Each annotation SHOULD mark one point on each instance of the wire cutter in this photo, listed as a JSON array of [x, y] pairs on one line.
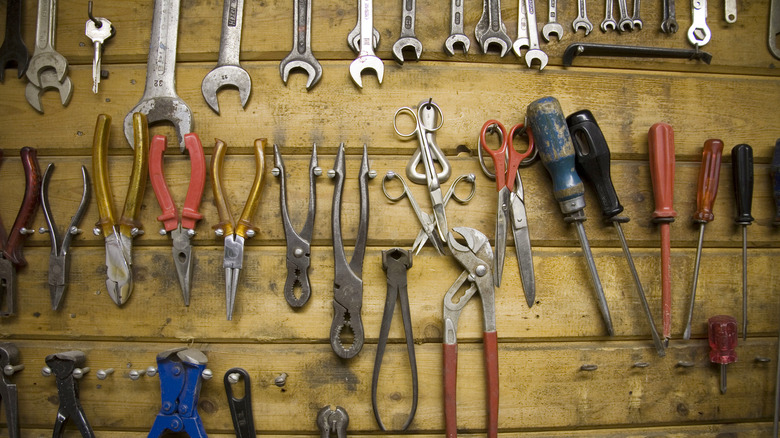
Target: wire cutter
[[9, 359], [63, 365], [348, 277], [235, 233], [477, 261], [119, 235], [180, 371], [511, 202], [298, 245], [59, 259], [181, 228], [11, 257]]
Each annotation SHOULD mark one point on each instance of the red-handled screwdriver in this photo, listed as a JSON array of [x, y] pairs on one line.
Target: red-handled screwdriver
[[722, 332], [709, 174]]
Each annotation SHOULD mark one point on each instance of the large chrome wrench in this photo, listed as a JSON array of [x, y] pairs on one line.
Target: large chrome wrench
[[491, 29], [228, 70], [699, 34], [552, 27], [301, 55], [160, 101], [366, 58], [457, 34], [522, 30], [534, 52], [407, 39], [45, 57], [582, 18]]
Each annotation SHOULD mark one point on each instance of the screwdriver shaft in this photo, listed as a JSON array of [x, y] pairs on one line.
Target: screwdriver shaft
[[687, 334], [723, 378], [666, 281], [594, 277], [744, 283]]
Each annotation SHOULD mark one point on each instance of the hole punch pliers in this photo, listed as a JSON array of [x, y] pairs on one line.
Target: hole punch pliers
[[235, 233], [119, 235], [63, 365], [11, 257], [181, 228], [180, 370], [59, 259]]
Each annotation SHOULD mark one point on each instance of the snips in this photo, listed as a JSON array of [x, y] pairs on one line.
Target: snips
[[235, 233], [298, 245], [119, 235], [511, 201], [477, 261], [59, 258], [65, 367], [180, 370], [9, 360], [348, 277], [181, 228], [11, 257]]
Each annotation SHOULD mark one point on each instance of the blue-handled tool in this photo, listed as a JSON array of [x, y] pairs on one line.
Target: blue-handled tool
[[180, 371]]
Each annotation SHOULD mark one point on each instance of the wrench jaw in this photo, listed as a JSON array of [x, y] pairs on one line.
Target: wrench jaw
[[311, 66], [223, 76], [519, 45], [49, 82], [407, 43], [502, 40], [550, 29], [626, 24], [608, 25], [42, 62], [578, 24], [537, 55], [11, 54], [156, 109], [457, 39], [669, 26], [366, 62]]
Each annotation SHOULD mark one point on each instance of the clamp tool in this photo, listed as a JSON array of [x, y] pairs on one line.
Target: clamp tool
[[477, 261], [347, 279], [298, 245], [181, 228], [59, 259], [235, 233], [9, 360], [11, 257], [64, 366], [240, 408], [180, 371], [333, 421], [119, 235]]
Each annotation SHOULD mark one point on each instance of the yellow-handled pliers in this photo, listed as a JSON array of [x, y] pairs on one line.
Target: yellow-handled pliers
[[235, 233], [119, 235]]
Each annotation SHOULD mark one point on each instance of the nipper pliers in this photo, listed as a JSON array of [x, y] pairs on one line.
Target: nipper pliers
[[119, 235]]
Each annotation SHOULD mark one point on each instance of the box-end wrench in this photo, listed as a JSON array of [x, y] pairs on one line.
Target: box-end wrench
[[699, 34], [582, 18], [609, 22], [366, 58], [160, 101], [491, 29], [774, 27], [228, 70], [407, 40], [49, 81], [669, 24], [534, 52], [45, 57], [552, 27], [626, 22], [13, 49], [636, 20], [730, 10], [522, 41], [301, 55], [457, 34]]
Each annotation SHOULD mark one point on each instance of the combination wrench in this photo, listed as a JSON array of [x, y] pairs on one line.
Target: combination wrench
[[534, 52], [669, 23], [13, 48], [552, 27], [457, 34], [774, 27], [228, 70], [407, 39], [159, 101], [366, 58], [699, 34], [48, 82], [582, 18], [491, 29], [301, 55], [609, 22], [626, 22], [522, 41], [636, 21], [45, 57]]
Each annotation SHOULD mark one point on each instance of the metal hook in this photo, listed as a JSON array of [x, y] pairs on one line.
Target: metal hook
[[97, 22]]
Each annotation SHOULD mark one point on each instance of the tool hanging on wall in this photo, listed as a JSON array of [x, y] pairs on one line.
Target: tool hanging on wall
[[742, 173], [68, 368], [335, 421], [240, 408], [301, 55], [722, 333], [48, 69], [13, 51], [10, 364], [98, 29]]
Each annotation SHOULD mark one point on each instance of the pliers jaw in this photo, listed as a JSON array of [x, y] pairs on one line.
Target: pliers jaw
[[59, 265], [118, 263], [233, 261], [182, 259]]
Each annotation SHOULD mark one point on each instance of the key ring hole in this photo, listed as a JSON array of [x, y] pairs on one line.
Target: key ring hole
[[390, 175]]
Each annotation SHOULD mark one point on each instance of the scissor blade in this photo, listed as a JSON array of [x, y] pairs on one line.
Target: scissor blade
[[502, 219], [437, 201], [523, 248], [182, 259]]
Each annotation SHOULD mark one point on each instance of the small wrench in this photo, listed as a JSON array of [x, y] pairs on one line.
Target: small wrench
[[353, 39], [301, 55], [609, 22], [491, 29], [366, 58], [730, 9], [552, 27], [407, 38], [534, 52], [626, 22], [13, 48], [522, 41], [45, 57], [635, 20], [669, 25], [699, 34], [457, 35], [160, 101], [774, 27], [48, 82], [582, 18]]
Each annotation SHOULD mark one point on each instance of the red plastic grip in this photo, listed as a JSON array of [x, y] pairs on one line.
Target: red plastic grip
[[491, 362], [660, 140], [189, 214], [722, 332], [169, 216], [24, 219], [450, 389], [709, 175]]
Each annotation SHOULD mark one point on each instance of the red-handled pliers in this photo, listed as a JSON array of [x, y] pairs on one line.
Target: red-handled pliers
[[477, 261], [181, 228]]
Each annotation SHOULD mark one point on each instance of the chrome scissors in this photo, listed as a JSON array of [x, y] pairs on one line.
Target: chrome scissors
[[511, 201]]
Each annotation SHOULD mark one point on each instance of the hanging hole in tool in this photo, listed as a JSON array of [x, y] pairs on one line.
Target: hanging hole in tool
[[347, 336], [238, 387], [97, 22], [182, 256], [582, 142], [297, 286]]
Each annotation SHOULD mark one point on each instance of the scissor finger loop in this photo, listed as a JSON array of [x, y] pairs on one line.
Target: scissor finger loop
[[413, 115], [471, 179], [390, 176]]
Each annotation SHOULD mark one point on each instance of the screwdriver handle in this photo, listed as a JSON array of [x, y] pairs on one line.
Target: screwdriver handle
[[709, 175], [742, 172], [592, 158], [776, 181], [660, 140], [553, 141], [722, 333]]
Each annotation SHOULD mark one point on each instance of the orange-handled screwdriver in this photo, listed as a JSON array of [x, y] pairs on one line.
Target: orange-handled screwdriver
[[709, 175], [661, 146]]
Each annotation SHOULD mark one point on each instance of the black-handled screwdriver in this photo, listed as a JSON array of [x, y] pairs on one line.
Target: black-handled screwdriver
[[742, 172]]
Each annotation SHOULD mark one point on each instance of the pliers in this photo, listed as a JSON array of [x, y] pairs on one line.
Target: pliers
[[119, 235], [11, 257], [9, 358], [298, 245], [63, 365], [59, 259], [477, 261], [180, 371], [235, 233], [181, 228]]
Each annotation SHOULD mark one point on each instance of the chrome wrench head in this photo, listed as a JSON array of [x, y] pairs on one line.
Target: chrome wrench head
[[404, 44], [407, 40], [491, 29], [635, 20], [582, 22], [609, 22], [45, 57], [48, 81], [457, 35], [550, 29], [306, 62], [46, 61], [160, 108], [626, 22], [224, 76], [301, 55], [228, 71], [522, 41], [699, 34], [457, 39], [366, 58], [534, 53]]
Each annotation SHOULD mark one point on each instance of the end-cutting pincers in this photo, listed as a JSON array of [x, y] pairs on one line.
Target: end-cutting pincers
[[9, 357]]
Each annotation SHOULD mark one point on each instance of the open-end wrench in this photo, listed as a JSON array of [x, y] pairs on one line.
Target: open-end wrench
[[534, 52], [366, 58], [228, 70], [491, 29], [13, 48], [609, 22], [774, 27], [407, 39], [669, 24], [699, 34], [353, 39], [457, 34], [301, 55], [522, 41], [730, 10], [45, 57], [582, 18], [48, 82], [160, 101], [626, 22], [636, 21], [552, 27]]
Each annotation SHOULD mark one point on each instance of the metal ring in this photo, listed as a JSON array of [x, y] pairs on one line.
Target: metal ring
[[469, 178], [391, 175], [431, 103], [410, 111]]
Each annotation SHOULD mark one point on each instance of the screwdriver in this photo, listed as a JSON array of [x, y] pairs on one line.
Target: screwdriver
[[553, 141], [709, 174], [592, 161], [722, 332], [776, 181], [742, 172], [660, 141]]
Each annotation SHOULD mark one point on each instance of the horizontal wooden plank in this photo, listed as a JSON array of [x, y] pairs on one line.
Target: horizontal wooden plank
[[541, 386]]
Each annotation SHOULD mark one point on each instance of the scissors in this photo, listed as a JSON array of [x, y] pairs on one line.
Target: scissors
[[511, 201], [428, 222]]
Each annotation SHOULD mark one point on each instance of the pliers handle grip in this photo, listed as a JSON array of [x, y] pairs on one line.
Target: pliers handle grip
[[189, 214], [11, 244], [226, 221]]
